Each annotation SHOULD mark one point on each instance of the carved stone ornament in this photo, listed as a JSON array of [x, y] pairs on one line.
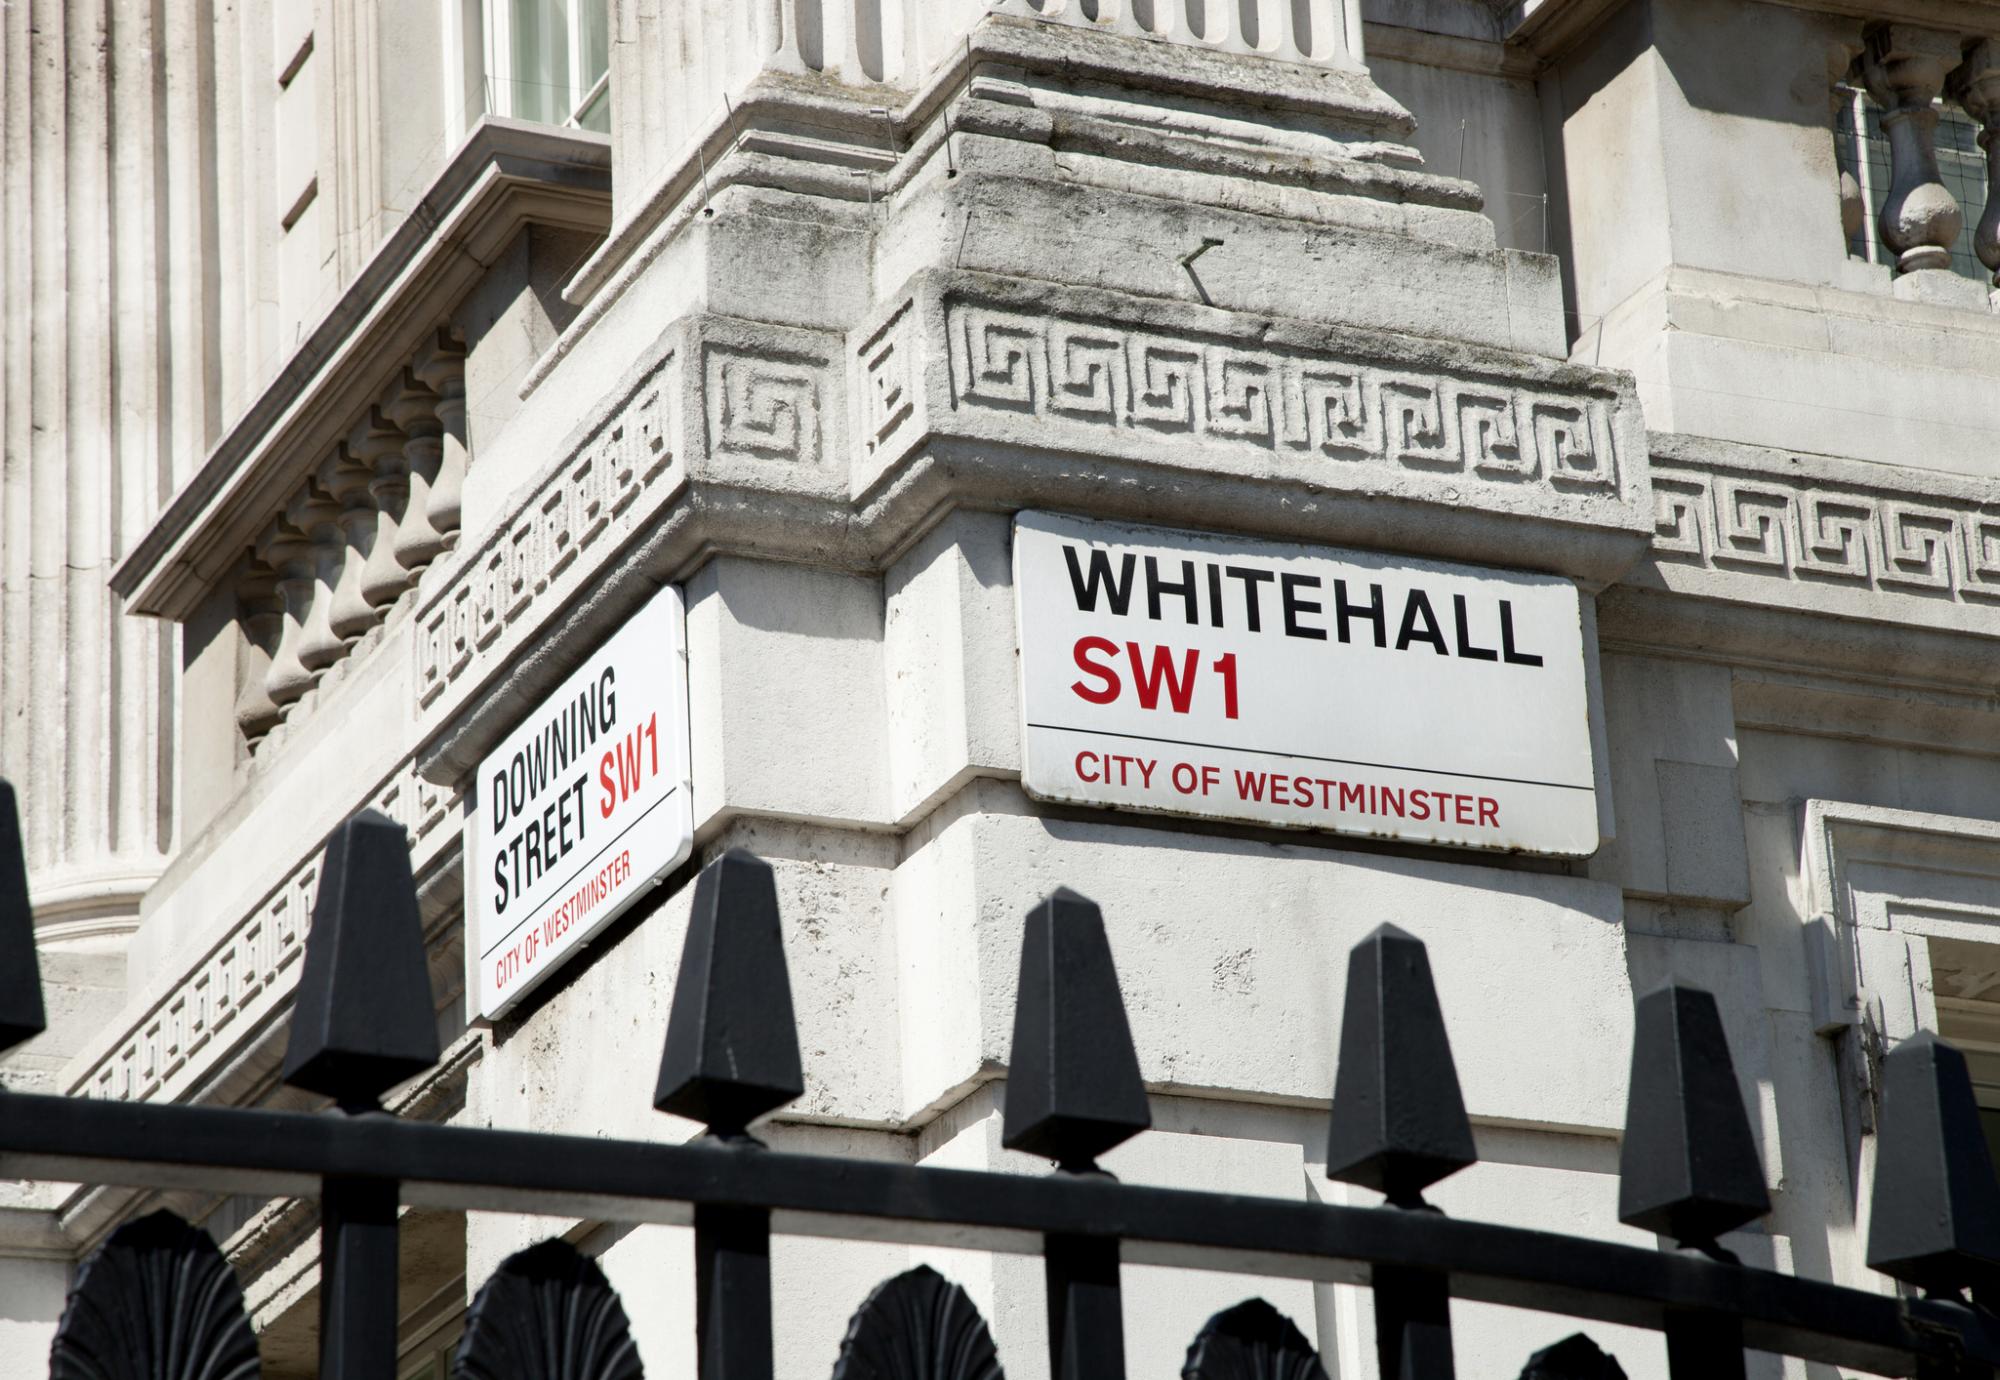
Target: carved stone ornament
[[1252, 1341], [156, 1301], [548, 1313], [917, 1326]]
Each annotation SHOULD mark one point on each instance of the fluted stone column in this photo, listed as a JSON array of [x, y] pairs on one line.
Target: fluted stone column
[[86, 705], [1976, 87], [1904, 68]]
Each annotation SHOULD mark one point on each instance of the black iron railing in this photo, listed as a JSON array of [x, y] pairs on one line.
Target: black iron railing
[[159, 1299]]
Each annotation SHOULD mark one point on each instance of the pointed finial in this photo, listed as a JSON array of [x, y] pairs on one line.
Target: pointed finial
[[1073, 1086], [732, 1045], [21, 1014], [1688, 1167], [1936, 1217], [1398, 1118], [364, 1018]]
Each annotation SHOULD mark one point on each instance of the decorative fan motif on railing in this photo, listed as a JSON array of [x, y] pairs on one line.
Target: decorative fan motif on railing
[[917, 1326], [156, 1301], [548, 1313], [1252, 1341], [1575, 1357]]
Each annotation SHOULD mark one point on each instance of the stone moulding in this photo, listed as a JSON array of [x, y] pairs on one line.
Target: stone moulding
[[1824, 535]]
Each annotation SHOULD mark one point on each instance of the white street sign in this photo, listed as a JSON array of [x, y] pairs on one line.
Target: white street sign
[[1302, 686], [582, 807]]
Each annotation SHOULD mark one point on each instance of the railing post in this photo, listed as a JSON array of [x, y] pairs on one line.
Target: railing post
[[1399, 1126], [1688, 1167], [21, 1014], [1935, 1221], [732, 1054], [1074, 1092], [363, 1021]]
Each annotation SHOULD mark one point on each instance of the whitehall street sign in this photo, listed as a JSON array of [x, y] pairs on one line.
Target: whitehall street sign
[[1303, 687], [583, 807]]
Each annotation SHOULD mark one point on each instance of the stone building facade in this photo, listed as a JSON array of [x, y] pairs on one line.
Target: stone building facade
[[368, 364]]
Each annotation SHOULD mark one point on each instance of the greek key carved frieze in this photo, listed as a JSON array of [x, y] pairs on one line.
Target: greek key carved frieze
[[586, 503], [1287, 400], [762, 404], [1814, 530]]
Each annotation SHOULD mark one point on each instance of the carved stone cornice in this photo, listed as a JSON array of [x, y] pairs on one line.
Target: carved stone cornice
[[969, 391], [507, 174]]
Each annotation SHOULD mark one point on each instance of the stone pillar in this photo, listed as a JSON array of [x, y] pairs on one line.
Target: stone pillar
[[86, 701], [414, 410], [1904, 68], [1975, 85]]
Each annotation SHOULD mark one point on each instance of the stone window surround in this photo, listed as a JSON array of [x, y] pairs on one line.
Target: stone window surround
[[1878, 884]]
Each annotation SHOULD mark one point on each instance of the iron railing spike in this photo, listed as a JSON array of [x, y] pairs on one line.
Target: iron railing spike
[[364, 1018], [732, 1048], [1399, 1122], [1073, 1085], [21, 1013], [1935, 1221], [1688, 1167]]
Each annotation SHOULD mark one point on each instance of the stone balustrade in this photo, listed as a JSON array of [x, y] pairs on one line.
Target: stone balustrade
[[352, 540], [1975, 85], [661, 102], [1905, 70]]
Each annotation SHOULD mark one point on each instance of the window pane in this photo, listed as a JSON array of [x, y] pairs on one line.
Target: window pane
[[538, 51], [593, 37]]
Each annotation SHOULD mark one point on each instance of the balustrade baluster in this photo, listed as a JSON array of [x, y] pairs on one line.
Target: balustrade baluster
[[1398, 1126], [732, 1054], [414, 410], [441, 366], [344, 477], [378, 443], [1975, 85], [261, 614], [285, 549], [318, 517], [1904, 68], [363, 1020], [1074, 1092]]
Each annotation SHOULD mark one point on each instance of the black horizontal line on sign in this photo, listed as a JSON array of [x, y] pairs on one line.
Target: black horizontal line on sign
[[1308, 757], [563, 885]]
